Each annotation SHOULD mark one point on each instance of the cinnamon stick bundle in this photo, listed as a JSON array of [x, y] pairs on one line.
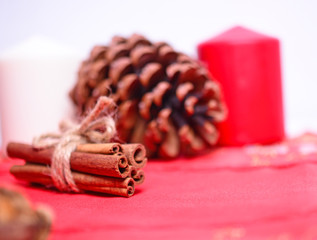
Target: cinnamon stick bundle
[[107, 168]]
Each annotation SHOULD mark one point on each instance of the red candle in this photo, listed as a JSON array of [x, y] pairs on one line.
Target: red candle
[[247, 65]]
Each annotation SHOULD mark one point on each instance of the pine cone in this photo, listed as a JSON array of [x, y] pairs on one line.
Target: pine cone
[[166, 100]]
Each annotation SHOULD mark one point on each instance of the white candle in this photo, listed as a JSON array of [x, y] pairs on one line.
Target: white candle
[[35, 78]]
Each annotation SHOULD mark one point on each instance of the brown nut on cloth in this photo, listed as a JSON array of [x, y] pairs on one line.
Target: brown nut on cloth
[[19, 221]]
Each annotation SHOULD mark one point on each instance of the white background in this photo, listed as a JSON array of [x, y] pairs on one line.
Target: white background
[[82, 24]]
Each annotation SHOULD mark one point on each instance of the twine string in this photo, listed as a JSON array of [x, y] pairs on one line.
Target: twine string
[[97, 127]]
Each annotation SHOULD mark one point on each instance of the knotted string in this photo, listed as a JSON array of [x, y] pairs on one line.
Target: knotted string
[[97, 127]]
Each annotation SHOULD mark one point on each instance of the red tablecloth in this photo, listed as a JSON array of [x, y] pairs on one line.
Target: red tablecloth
[[232, 193]]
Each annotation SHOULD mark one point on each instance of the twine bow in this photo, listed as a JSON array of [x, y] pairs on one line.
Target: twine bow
[[97, 127]]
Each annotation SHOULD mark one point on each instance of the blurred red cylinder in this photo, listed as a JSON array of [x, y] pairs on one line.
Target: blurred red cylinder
[[247, 65]]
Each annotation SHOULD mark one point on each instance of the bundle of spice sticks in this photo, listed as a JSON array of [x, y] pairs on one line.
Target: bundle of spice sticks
[[110, 168]]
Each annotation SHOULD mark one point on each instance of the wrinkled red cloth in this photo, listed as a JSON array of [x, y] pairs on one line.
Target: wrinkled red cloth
[[252, 192]]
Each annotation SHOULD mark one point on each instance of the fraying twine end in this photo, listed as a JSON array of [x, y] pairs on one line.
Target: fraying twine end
[[98, 127]]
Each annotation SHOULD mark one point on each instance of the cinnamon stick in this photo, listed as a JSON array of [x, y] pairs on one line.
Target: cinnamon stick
[[136, 154], [137, 175], [102, 148], [36, 173], [100, 164]]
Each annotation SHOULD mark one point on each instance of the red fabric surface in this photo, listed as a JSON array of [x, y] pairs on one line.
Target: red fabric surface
[[230, 193]]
